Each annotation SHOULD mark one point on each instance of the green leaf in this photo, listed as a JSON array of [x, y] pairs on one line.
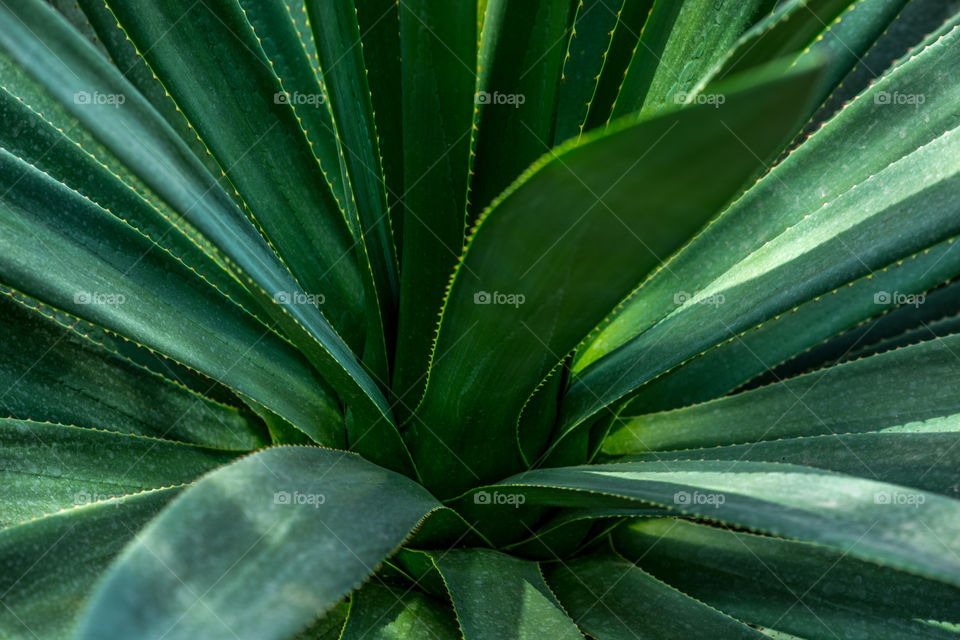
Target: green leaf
[[520, 61], [587, 50], [937, 304], [305, 524], [382, 612], [926, 461], [54, 373], [787, 32], [850, 398], [905, 529], [439, 45], [796, 587], [757, 350], [42, 42], [611, 599], [328, 626], [818, 171], [797, 234], [505, 348], [125, 57], [277, 32], [497, 596], [338, 39], [48, 467], [94, 265], [49, 565], [679, 44], [209, 59], [33, 139], [849, 37], [623, 44], [379, 22]]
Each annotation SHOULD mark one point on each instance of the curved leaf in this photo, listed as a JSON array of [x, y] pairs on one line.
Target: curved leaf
[[171, 309], [544, 303], [67, 66], [904, 529], [209, 59], [306, 525], [818, 171]]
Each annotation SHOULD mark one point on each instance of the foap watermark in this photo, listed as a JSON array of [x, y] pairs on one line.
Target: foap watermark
[[683, 297], [895, 297], [81, 498], [98, 298], [686, 499], [496, 498], [512, 99], [95, 97], [299, 297], [299, 499], [485, 297], [895, 97], [297, 98], [712, 99], [899, 498]]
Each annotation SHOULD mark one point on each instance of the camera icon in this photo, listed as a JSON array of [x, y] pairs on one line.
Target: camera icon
[[881, 497], [281, 97], [283, 297], [680, 97], [681, 497], [281, 497], [882, 97], [82, 297], [482, 97], [81, 498], [481, 497], [82, 97], [482, 297], [681, 297], [882, 297]]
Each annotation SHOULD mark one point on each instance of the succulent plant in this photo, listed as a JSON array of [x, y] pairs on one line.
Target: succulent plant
[[479, 319]]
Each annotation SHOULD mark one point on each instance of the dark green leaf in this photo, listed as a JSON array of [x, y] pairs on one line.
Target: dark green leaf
[[612, 599], [48, 467], [496, 596], [439, 41], [544, 303], [680, 42], [382, 612], [589, 45], [520, 60], [54, 373], [796, 587]]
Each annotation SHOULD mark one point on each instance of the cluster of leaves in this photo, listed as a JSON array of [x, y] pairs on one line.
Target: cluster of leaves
[[480, 319]]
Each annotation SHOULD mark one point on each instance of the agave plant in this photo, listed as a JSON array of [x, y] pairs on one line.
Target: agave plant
[[480, 319]]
